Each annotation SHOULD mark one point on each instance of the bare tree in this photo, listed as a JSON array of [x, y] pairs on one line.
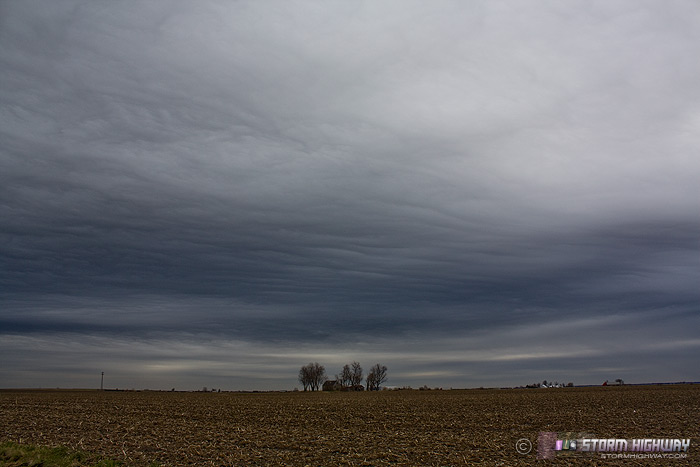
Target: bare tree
[[356, 374], [305, 377], [619, 381], [312, 376], [376, 377], [345, 376]]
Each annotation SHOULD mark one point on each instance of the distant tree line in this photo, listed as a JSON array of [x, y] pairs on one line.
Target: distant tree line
[[313, 377], [551, 384]]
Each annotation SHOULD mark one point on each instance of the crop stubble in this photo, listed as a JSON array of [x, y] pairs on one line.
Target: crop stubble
[[380, 428]]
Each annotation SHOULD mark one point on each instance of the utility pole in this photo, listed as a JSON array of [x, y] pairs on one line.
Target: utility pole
[[102, 382]]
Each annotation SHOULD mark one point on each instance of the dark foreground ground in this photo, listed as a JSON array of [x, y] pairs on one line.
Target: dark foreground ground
[[470, 427]]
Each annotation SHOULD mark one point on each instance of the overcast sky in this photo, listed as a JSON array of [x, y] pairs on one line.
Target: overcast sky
[[480, 193]]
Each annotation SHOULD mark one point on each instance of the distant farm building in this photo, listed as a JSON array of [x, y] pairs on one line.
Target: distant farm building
[[334, 385]]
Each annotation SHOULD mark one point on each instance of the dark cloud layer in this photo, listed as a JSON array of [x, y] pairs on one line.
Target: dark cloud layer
[[493, 193]]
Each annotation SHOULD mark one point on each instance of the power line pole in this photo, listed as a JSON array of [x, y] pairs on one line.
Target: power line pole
[[102, 382]]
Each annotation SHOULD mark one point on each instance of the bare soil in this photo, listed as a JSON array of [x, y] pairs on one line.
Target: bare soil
[[440, 428]]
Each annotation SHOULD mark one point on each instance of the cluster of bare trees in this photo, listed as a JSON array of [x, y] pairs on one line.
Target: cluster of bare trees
[[313, 376], [376, 377], [350, 376]]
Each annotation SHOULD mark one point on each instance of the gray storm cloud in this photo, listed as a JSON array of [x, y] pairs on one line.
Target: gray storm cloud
[[389, 180]]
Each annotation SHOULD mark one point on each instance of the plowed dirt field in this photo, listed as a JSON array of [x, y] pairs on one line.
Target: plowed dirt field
[[466, 427]]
